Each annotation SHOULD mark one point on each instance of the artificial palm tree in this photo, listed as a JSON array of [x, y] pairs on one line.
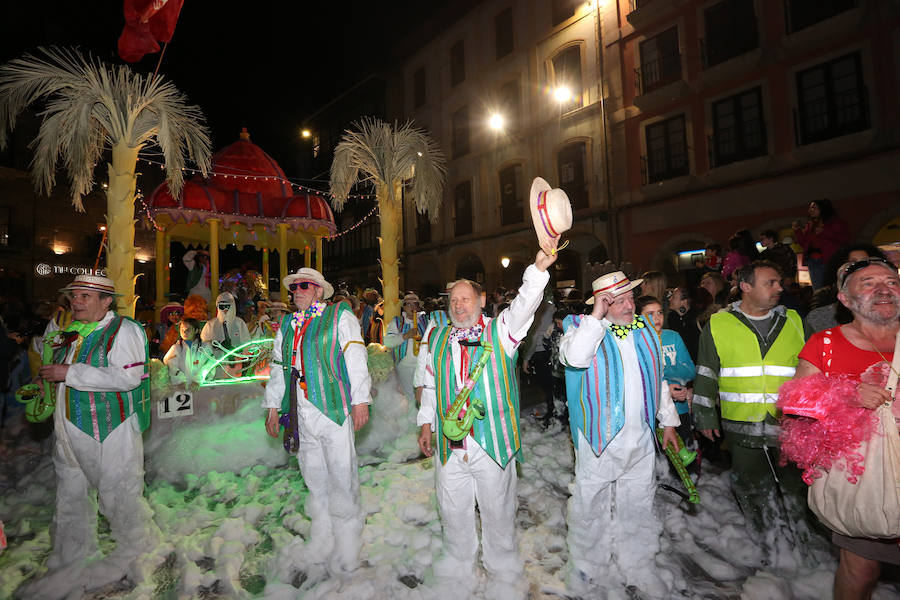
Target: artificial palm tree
[[387, 155], [90, 107]]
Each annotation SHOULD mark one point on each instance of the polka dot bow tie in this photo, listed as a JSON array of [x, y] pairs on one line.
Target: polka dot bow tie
[[621, 331]]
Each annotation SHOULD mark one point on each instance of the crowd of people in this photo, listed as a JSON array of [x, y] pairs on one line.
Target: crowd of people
[[638, 364]]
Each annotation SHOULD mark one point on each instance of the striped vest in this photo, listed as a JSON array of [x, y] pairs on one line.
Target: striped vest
[[749, 382], [440, 318], [324, 369], [399, 353], [498, 387], [99, 413], [596, 395]]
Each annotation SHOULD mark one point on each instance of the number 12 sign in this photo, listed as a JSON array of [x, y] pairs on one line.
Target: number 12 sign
[[179, 405]]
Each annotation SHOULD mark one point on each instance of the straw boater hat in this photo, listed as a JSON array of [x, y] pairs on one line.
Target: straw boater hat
[[412, 298], [551, 213], [277, 307], [614, 283], [93, 283], [311, 275]]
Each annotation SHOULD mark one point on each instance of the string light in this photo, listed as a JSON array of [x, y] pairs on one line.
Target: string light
[[355, 225], [249, 176]]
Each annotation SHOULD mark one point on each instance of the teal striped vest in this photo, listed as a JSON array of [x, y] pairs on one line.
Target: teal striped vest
[[99, 413], [498, 387], [324, 369], [399, 353]]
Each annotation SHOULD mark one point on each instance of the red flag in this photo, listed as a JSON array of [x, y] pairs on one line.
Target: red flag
[[147, 22]]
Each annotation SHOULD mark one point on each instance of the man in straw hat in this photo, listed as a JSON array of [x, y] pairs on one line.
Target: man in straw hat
[[480, 467], [320, 387], [616, 398], [102, 393], [403, 338]]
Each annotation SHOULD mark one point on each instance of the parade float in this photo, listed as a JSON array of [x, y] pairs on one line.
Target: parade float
[[246, 200]]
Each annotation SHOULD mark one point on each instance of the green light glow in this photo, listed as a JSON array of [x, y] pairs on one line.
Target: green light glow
[[233, 357]]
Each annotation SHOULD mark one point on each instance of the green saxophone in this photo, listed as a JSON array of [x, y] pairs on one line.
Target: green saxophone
[[455, 425]]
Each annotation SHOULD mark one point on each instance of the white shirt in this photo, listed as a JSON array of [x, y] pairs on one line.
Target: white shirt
[[355, 357], [579, 345], [514, 324], [393, 339]]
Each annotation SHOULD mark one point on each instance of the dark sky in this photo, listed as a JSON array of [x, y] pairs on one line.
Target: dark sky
[[263, 64]]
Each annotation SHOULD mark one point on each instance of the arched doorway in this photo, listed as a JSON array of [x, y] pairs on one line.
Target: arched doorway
[[470, 267]]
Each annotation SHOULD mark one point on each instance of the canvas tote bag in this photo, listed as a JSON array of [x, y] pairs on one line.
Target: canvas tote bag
[[870, 508]]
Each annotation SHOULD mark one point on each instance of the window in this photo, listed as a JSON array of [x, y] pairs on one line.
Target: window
[[562, 10], [462, 208], [511, 205], [660, 61], [572, 166], [567, 74], [460, 141], [419, 97], [509, 103], [739, 131], [799, 14], [423, 228], [730, 31], [832, 100], [457, 63], [503, 32], [666, 150]]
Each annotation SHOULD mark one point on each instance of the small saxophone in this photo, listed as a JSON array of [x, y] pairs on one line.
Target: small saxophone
[[39, 408], [455, 426]]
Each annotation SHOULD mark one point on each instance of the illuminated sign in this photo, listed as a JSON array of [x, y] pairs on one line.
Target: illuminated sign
[[46, 270]]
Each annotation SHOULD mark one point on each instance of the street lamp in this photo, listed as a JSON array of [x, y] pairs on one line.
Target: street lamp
[[504, 261], [305, 133], [562, 94], [496, 121]]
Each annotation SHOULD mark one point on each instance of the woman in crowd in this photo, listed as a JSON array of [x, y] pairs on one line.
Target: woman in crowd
[[821, 236]]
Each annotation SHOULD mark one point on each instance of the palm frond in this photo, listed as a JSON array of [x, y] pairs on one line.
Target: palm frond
[[383, 153], [91, 105]]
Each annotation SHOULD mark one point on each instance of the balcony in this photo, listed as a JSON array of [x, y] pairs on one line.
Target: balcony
[[725, 47], [800, 14], [731, 145], [658, 169], [655, 74], [644, 12]]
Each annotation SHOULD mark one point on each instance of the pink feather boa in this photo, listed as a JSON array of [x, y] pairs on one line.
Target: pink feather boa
[[826, 428]]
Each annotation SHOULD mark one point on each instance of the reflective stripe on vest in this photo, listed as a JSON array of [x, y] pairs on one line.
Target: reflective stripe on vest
[[748, 383]]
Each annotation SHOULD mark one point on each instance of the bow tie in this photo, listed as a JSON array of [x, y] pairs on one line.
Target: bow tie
[[81, 328], [472, 334], [622, 331]]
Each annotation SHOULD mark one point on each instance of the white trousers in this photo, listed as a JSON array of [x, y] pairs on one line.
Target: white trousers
[[472, 476], [611, 508], [327, 457], [115, 469]]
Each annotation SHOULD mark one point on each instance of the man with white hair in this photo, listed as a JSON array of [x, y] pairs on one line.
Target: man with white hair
[[480, 467], [870, 288], [616, 397], [320, 386], [403, 338], [103, 404]]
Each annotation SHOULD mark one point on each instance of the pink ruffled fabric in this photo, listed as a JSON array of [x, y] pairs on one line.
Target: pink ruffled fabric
[[826, 428]]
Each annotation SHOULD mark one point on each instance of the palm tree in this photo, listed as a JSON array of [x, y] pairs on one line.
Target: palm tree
[[92, 106], [386, 156]]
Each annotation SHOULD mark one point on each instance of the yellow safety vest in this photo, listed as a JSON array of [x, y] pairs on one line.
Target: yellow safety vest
[[748, 383]]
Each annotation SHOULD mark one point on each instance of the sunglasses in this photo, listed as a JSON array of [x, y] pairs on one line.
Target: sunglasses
[[303, 285], [862, 264], [223, 306]]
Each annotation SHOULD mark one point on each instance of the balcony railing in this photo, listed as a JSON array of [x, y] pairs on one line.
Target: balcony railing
[[831, 117], [729, 146], [655, 74], [636, 4], [660, 170]]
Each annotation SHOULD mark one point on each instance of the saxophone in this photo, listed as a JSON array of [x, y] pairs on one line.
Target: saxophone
[[38, 406], [455, 426]]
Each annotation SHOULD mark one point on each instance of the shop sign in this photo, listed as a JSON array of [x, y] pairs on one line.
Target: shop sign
[[46, 270]]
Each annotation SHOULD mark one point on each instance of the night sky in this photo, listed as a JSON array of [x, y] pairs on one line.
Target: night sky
[[264, 65]]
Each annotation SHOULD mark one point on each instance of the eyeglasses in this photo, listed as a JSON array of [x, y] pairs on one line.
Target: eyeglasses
[[223, 306], [303, 285], [852, 268]]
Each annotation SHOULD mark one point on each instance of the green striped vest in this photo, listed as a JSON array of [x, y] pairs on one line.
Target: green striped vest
[[498, 387], [324, 369], [99, 413], [748, 383]]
